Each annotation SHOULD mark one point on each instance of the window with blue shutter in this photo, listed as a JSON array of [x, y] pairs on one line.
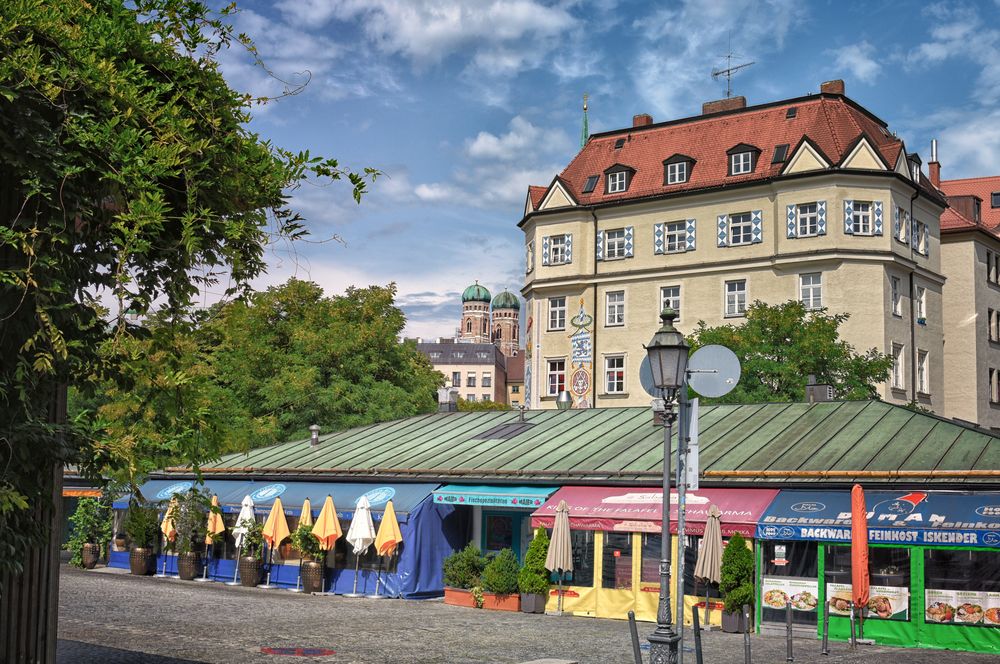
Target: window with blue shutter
[[690, 234], [569, 247], [756, 222], [723, 224], [545, 250], [927, 240], [820, 217], [877, 205], [895, 222], [600, 245], [914, 235], [658, 231], [848, 217], [529, 257], [629, 244], [791, 220]]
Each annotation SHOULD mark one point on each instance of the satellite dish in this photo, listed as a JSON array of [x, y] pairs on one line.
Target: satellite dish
[[714, 371], [646, 379]]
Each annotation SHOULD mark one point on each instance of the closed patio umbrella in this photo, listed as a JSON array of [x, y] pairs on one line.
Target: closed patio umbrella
[[215, 526], [388, 540], [859, 555], [240, 533], [560, 555], [275, 532], [327, 527], [360, 536], [169, 531], [709, 564]]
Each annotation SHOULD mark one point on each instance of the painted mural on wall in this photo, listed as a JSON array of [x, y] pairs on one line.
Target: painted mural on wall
[[529, 345], [581, 358]]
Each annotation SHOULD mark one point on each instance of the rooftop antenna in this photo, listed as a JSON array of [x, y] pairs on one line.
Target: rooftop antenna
[[585, 131], [730, 68]]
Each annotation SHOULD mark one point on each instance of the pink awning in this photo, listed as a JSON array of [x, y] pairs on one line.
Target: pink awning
[[637, 509]]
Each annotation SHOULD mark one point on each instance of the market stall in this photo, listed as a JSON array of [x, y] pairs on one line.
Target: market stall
[[934, 561]]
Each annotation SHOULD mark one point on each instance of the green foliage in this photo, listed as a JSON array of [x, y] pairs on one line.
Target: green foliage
[[463, 569], [480, 406], [500, 575], [477, 596], [304, 542], [253, 541], [91, 523], [190, 515], [533, 577], [142, 525], [736, 574], [779, 346]]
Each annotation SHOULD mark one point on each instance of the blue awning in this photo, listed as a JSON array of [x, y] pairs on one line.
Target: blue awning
[[903, 517], [517, 497], [405, 497]]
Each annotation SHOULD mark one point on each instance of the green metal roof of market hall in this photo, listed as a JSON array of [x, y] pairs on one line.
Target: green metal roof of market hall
[[780, 444]]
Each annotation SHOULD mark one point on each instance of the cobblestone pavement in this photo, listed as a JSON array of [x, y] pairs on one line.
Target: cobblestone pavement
[[111, 618]]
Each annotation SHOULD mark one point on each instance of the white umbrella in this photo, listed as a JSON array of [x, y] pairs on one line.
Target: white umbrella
[[240, 532], [360, 536]]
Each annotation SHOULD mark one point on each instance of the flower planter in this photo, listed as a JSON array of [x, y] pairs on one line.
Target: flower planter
[[90, 555], [312, 576], [734, 622], [250, 571], [459, 597], [188, 565], [532, 603], [140, 561], [494, 602]]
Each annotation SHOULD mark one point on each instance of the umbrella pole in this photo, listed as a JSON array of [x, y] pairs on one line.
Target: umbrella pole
[[355, 593], [208, 561], [298, 579], [163, 574], [560, 598], [270, 561], [378, 580], [707, 589], [236, 570]]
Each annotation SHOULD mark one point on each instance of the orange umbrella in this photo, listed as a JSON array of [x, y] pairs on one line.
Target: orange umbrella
[[859, 547], [388, 537], [276, 526], [327, 527], [306, 518], [215, 524], [167, 527]]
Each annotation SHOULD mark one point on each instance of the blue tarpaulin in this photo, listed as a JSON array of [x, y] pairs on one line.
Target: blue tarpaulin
[[904, 517]]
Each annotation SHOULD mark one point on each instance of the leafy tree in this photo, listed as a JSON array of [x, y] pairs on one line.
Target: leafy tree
[[91, 525], [466, 406], [736, 574], [533, 577], [127, 170], [780, 345]]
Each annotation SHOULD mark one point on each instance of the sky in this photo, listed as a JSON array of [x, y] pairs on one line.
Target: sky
[[462, 105]]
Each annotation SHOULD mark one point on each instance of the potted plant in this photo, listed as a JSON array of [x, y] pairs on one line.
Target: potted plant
[[462, 571], [142, 528], [91, 530], [190, 519], [251, 549], [736, 583], [533, 579], [311, 565], [500, 583]]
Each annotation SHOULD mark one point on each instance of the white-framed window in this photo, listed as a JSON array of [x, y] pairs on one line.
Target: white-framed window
[[614, 243], [994, 386], [898, 365], [921, 304], [897, 296], [529, 262], [677, 172], [670, 297], [740, 229], [487, 379], [736, 297], [741, 162], [923, 373], [556, 376], [808, 220], [557, 313], [486, 397], [617, 182], [861, 218], [811, 290], [470, 379], [993, 324], [557, 249], [614, 374], [920, 228], [470, 397], [904, 224], [675, 237], [456, 379], [991, 267], [614, 306]]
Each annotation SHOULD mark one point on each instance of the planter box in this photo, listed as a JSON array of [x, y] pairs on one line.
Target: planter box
[[496, 602], [312, 576], [459, 597], [188, 565], [250, 568], [90, 555], [140, 561], [532, 603], [734, 622]]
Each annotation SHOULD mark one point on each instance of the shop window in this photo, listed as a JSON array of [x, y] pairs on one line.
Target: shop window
[[582, 545], [617, 561], [790, 573], [889, 574], [693, 586], [962, 587], [649, 570]]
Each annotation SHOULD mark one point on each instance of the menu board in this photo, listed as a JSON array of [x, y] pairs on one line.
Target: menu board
[[884, 602], [962, 607], [777, 591]]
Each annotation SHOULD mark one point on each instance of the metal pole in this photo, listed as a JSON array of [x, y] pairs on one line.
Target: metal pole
[[696, 628], [663, 642], [747, 657], [826, 629], [788, 633], [853, 638], [681, 484], [634, 633]]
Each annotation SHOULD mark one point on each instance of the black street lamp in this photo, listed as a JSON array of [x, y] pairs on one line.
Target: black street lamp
[[668, 357]]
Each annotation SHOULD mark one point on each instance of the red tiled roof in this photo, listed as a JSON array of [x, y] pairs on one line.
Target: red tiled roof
[[953, 220], [833, 124], [982, 187], [536, 194]]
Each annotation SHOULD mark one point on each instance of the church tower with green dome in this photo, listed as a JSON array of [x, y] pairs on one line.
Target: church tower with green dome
[[475, 315], [506, 322]]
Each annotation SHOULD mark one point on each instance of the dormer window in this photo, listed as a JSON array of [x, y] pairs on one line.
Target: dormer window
[[590, 184], [677, 169], [742, 159], [617, 178]]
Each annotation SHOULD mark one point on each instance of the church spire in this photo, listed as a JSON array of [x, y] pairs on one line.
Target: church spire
[[585, 131]]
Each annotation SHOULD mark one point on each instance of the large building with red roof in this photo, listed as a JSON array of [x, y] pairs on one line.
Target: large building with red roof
[[812, 198]]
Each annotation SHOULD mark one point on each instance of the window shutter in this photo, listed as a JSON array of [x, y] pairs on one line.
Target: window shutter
[[895, 222], [723, 230], [756, 232], [848, 217], [545, 250], [658, 244], [914, 240], [821, 217], [600, 245], [691, 223], [529, 257], [878, 217], [927, 240], [569, 247], [629, 245], [790, 214]]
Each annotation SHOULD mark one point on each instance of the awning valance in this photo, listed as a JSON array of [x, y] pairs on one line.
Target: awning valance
[[516, 497], [638, 509], [905, 517]]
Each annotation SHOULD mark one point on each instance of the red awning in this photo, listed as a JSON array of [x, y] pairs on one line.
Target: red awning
[[637, 509]]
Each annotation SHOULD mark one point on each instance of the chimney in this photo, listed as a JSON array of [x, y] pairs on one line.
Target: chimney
[[727, 104], [834, 87], [314, 435], [642, 120], [447, 398], [817, 392], [933, 166]]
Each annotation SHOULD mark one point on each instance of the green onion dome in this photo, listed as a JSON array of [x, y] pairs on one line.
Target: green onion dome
[[506, 300], [476, 293]]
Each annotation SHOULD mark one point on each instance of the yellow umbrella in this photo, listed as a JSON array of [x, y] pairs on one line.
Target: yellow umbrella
[[307, 517], [327, 527], [388, 537], [167, 527], [276, 526], [215, 524]]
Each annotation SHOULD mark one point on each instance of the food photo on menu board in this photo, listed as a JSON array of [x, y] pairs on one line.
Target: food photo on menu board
[[778, 591], [884, 602], [964, 607]]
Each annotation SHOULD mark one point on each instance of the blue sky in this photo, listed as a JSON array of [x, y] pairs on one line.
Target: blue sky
[[465, 104]]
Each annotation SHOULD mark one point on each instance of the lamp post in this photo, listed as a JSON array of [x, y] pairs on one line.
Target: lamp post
[[668, 356]]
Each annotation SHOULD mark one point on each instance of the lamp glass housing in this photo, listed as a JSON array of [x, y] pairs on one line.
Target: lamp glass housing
[[668, 356]]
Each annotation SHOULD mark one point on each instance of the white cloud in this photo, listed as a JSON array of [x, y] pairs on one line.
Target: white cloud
[[522, 142], [970, 144], [859, 60]]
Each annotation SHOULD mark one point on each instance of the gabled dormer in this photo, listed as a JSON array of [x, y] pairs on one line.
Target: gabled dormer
[[677, 169], [558, 195], [862, 154], [742, 159], [806, 156], [618, 178]]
